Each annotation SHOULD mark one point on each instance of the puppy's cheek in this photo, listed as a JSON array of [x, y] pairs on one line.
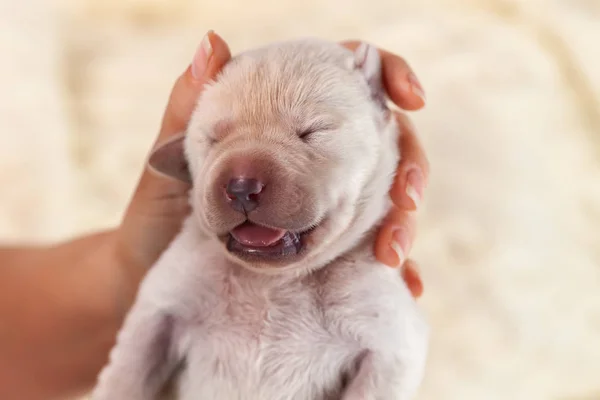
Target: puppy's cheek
[[312, 206], [211, 215], [337, 221], [206, 210], [204, 205]]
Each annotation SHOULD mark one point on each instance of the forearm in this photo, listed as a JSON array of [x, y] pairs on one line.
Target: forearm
[[60, 309]]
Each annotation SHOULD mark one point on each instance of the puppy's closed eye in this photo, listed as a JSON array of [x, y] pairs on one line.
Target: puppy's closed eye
[[314, 127], [305, 134], [211, 140], [218, 132]]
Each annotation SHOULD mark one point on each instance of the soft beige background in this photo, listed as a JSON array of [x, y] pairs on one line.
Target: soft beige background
[[510, 234]]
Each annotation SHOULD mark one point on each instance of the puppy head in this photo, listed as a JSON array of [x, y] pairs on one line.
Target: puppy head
[[291, 153]]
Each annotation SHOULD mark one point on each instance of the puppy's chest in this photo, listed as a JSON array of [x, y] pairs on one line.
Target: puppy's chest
[[263, 334]]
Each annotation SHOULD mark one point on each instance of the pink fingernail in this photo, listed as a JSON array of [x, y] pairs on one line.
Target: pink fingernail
[[415, 86], [400, 243], [414, 186], [203, 53]]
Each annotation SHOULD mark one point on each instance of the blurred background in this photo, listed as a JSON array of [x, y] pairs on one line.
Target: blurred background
[[509, 241]]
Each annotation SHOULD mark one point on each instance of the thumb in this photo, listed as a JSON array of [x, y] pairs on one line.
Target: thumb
[[158, 205], [210, 57]]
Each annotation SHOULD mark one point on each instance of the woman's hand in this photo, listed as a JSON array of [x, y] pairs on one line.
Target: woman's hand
[[159, 205]]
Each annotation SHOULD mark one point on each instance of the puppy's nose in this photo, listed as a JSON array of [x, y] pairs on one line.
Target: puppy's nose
[[243, 193]]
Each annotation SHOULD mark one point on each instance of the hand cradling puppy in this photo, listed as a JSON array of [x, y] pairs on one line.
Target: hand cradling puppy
[[271, 290]]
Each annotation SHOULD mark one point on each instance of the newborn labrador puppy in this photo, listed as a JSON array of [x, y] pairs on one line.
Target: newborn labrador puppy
[[271, 290]]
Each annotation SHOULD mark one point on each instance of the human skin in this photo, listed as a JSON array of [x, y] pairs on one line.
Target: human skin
[[62, 305]]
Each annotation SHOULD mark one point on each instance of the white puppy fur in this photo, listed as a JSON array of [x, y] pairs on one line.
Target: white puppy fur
[[319, 318]]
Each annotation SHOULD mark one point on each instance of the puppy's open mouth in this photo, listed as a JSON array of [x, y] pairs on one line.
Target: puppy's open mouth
[[251, 239]]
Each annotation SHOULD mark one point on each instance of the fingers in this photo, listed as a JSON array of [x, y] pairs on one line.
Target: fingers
[[397, 233], [413, 171], [401, 83], [159, 205]]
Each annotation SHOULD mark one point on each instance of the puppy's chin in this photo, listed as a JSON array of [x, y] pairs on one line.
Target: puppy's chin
[[273, 250]]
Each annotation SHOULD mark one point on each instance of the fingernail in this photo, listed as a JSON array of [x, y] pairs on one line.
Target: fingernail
[[415, 86], [414, 186], [400, 243], [203, 53]]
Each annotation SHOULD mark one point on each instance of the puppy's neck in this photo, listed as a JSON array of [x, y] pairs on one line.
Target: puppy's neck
[[364, 247]]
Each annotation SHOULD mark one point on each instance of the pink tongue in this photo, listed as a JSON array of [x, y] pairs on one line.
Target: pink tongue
[[257, 236]]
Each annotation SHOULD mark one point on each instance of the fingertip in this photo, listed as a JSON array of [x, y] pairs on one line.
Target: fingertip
[[386, 255], [395, 236], [402, 96], [410, 274], [221, 53], [211, 55], [398, 192], [408, 189], [402, 85], [412, 278], [351, 44], [384, 252]]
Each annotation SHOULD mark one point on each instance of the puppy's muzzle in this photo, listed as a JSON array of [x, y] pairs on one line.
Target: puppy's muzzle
[[253, 185]]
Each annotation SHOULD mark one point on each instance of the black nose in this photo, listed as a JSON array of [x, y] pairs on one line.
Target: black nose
[[243, 193]]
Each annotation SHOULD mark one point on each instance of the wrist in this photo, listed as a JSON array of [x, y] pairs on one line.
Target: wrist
[[95, 274], [113, 273], [18, 257], [100, 268], [129, 272]]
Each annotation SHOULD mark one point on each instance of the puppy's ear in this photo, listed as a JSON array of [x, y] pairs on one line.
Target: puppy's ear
[[169, 159], [368, 62]]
